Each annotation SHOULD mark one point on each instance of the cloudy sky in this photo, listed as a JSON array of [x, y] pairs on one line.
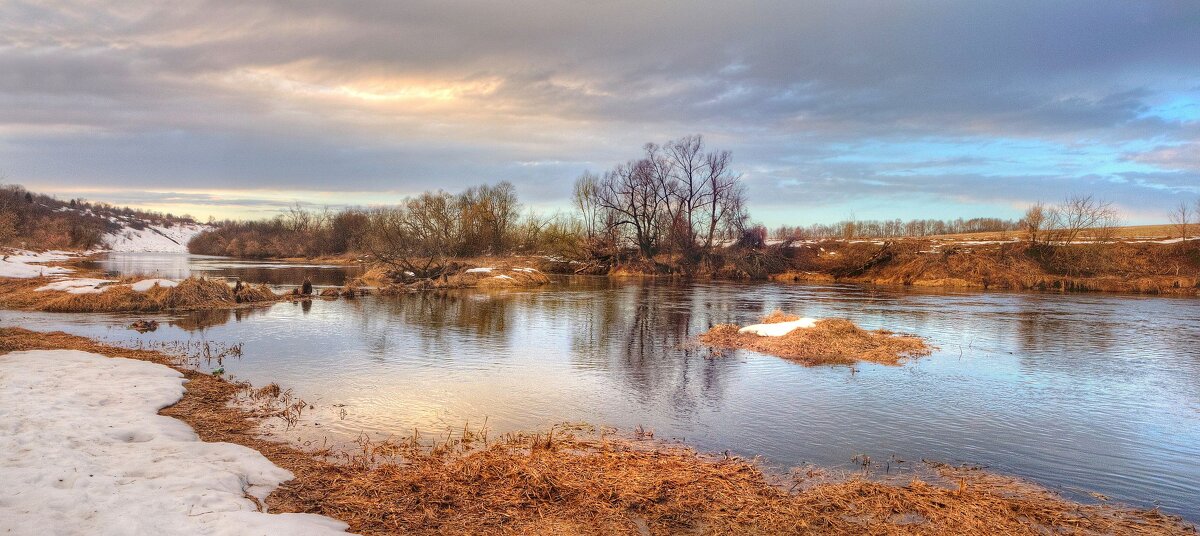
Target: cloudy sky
[[876, 108]]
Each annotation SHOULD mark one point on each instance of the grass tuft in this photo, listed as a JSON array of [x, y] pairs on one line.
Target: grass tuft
[[830, 341]]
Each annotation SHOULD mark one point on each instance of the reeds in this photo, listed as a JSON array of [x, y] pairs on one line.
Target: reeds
[[830, 341], [190, 294]]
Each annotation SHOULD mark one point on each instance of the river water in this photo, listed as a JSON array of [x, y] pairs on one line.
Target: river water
[[1079, 392]]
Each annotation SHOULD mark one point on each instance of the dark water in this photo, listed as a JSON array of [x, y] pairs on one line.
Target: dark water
[[180, 265], [1077, 392]]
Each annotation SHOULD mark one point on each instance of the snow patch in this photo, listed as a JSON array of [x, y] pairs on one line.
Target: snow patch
[[26, 264], [502, 277], [82, 285], [778, 329], [147, 284], [480, 270], [83, 451], [154, 238]]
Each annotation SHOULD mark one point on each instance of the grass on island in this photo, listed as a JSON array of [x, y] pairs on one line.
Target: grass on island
[[559, 483], [503, 273], [189, 294], [830, 341]]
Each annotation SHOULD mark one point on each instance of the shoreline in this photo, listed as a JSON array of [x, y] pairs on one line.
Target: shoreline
[[557, 481]]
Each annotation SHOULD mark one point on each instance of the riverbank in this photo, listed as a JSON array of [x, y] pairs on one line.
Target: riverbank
[[1171, 268], [1165, 267], [571, 482]]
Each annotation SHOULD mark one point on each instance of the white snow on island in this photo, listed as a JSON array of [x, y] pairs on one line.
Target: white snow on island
[[147, 284], [83, 450], [82, 285], [778, 329]]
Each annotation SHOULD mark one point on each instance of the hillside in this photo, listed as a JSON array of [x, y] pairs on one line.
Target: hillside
[[40, 222]]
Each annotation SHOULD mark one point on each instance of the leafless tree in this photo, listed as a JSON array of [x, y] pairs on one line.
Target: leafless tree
[[677, 197], [489, 215], [1181, 218], [417, 236], [1034, 221], [1080, 213]]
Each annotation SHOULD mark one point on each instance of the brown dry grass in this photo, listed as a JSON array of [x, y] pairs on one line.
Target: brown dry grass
[[1145, 268], [558, 483], [1133, 232], [830, 341], [191, 294]]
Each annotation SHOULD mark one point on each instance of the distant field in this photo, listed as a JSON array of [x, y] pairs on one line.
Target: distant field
[[1129, 232]]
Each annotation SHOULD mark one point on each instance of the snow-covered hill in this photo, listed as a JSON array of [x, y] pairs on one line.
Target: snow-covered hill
[[154, 238]]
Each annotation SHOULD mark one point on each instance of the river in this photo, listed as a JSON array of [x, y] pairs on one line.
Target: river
[[1078, 392]]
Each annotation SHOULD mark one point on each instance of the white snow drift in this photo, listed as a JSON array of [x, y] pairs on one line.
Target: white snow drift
[[83, 451], [154, 238], [778, 329], [147, 284], [27, 264], [82, 285]]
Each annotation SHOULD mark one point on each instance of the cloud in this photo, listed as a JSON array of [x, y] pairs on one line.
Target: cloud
[[820, 102]]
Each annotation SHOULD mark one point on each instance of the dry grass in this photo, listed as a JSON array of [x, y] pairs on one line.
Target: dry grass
[[191, 294], [560, 483], [500, 277], [1132, 232], [830, 341], [1145, 268]]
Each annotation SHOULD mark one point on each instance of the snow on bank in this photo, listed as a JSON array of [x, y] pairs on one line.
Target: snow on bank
[[83, 451], [81, 285], [778, 329], [154, 238], [27, 264]]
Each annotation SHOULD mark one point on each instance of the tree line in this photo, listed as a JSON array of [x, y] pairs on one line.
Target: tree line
[[418, 234], [854, 228]]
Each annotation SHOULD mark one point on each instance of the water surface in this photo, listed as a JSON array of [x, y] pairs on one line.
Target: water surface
[[1080, 392]]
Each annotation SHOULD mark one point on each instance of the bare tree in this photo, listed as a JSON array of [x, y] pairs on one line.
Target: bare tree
[[417, 236], [1181, 218], [1034, 221], [1081, 213], [677, 197]]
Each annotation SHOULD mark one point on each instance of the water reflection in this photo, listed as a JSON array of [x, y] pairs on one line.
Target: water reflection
[[179, 265], [1080, 392]]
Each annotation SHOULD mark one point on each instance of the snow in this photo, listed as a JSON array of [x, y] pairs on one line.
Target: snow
[[526, 270], [83, 451], [26, 264], [82, 285], [778, 329], [502, 277], [154, 238], [480, 270], [147, 284]]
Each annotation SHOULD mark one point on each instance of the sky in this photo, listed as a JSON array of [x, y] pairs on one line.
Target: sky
[[877, 109]]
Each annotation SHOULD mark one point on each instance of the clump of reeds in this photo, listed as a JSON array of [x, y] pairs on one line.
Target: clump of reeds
[[190, 294], [830, 341]]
